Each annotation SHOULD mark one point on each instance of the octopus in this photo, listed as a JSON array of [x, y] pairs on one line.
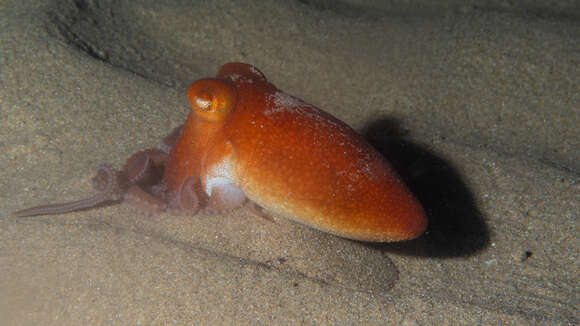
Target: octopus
[[245, 142]]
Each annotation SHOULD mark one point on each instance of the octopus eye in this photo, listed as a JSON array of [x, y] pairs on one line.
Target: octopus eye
[[212, 99]]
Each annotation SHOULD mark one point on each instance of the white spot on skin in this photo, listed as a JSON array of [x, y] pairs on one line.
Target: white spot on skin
[[280, 102], [234, 77], [241, 79]]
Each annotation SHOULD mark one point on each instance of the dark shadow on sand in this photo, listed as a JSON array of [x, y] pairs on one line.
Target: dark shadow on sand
[[456, 226]]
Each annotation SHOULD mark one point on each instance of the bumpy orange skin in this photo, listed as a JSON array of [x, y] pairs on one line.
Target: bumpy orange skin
[[297, 161]]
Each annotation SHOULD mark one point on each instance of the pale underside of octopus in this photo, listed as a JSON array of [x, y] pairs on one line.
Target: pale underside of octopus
[[140, 183]]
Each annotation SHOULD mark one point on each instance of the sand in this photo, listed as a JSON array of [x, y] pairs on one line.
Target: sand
[[477, 106]]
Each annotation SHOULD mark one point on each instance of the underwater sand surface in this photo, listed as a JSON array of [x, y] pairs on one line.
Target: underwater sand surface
[[477, 109]]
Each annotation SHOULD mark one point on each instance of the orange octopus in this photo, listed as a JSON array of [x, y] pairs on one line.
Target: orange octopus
[[245, 141]]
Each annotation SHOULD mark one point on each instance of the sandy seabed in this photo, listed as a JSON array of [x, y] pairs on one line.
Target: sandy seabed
[[477, 108]]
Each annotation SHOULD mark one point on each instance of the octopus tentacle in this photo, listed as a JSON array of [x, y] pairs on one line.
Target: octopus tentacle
[[104, 182], [258, 210], [143, 172], [61, 208], [139, 183], [170, 140], [157, 157], [136, 167], [187, 200], [144, 202]]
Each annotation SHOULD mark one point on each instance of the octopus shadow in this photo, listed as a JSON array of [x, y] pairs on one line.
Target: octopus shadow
[[456, 226]]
